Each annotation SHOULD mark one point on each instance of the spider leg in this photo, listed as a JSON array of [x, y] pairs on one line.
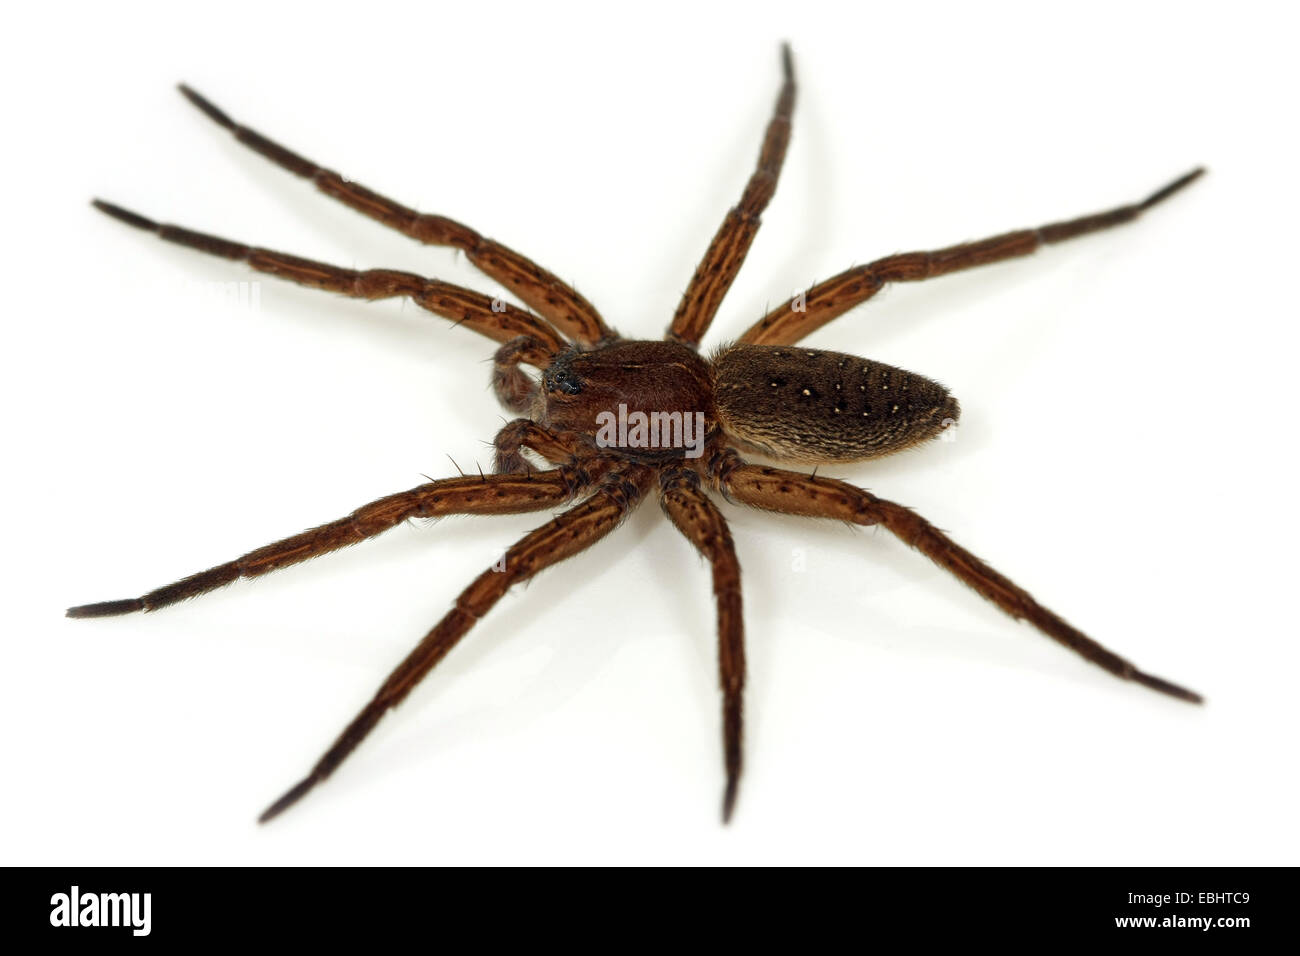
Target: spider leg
[[543, 292], [830, 299], [478, 494], [560, 538], [700, 521], [791, 492], [490, 317], [717, 270]]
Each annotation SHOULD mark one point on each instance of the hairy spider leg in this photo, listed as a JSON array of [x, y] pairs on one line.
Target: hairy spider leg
[[544, 293], [490, 317], [562, 537], [475, 494], [702, 524], [725, 255], [827, 300], [792, 492]]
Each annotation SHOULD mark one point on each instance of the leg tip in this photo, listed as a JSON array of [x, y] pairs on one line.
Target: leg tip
[[292, 796], [1167, 687], [1180, 183], [205, 106], [729, 799], [106, 608], [124, 215]]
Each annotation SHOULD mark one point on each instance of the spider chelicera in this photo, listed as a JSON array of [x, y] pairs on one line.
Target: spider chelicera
[[616, 417]]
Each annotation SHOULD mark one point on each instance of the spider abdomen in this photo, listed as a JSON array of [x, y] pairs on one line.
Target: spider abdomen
[[811, 406]]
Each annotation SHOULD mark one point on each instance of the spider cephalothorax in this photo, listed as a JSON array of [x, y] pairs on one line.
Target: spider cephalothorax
[[615, 417]]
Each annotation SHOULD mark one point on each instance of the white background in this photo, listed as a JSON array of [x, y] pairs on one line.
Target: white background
[[1125, 452]]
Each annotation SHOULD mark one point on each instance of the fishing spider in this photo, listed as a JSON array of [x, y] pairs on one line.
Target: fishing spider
[[760, 394]]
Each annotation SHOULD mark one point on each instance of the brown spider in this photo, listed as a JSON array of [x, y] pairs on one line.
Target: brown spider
[[614, 416]]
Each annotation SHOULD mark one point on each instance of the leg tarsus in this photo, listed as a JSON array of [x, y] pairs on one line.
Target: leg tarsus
[[732, 734], [206, 106], [125, 215], [1166, 687], [290, 797], [1160, 195], [107, 608]]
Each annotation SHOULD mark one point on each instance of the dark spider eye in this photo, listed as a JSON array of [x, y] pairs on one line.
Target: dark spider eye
[[566, 382]]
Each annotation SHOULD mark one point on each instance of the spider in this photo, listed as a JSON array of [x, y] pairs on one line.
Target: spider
[[683, 419]]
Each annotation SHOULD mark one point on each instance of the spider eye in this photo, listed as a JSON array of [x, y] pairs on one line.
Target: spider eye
[[566, 382]]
